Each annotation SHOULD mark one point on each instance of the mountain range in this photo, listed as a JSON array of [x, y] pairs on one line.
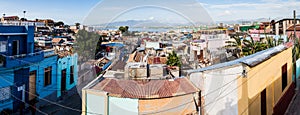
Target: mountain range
[[155, 23]]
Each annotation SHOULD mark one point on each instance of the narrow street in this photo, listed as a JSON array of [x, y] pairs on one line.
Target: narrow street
[[72, 106], [295, 104]]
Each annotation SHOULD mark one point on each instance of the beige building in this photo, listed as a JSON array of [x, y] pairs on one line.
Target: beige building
[[282, 25], [258, 84]]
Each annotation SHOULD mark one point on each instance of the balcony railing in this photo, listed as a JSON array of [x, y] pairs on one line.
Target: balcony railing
[[23, 59], [49, 52], [21, 23]]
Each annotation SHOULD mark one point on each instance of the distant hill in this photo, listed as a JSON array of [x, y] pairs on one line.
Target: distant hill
[[240, 21], [145, 23]]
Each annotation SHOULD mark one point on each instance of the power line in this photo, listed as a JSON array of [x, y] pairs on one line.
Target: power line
[[28, 104], [238, 86], [169, 108], [51, 101]]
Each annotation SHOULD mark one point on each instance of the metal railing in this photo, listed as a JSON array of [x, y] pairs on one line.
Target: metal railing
[[21, 23]]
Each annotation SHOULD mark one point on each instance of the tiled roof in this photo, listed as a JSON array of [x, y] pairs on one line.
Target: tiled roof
[[56, 40], [144, 89], [291, 28]]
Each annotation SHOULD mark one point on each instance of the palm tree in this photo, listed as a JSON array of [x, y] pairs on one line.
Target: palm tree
[[251, 46], [237, 44], [273, 42], [296, 49]]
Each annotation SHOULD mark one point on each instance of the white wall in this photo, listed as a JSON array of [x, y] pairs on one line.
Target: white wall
[[123, 106], [219, 89], [95, 104]]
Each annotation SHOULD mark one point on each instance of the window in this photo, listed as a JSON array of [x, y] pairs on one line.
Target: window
[[3, 46], [72, 75], [4, 93], [263, 99], [47, 76], [284, 76]]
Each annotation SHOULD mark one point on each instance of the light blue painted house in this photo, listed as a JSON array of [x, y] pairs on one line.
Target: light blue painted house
[[67, 73], [28, 75]]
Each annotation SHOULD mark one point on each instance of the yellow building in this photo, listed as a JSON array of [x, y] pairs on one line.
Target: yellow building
[[259, 84], [267, 85]]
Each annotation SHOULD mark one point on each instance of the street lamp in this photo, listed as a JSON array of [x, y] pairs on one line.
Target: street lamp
[[24, 14]]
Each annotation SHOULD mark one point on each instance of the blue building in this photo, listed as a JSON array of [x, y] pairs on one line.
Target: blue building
[[17, 54], [67, 73], [27, 74], [43, 77]]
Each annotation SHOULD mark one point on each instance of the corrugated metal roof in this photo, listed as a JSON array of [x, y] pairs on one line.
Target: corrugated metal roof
[[251, 60], [145, 89]]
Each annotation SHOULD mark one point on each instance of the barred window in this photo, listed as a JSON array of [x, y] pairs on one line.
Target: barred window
[[4, 94], [48, 76]]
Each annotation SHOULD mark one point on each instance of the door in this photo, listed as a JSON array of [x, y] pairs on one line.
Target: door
[[15, 47], [263, 99], [63, 81], [32, 85]]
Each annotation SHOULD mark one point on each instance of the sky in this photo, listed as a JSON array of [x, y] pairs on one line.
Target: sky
[[179, 11]]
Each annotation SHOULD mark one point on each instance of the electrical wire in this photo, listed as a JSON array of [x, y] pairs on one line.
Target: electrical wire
[[28, 104], [66, 107], [238, 86]]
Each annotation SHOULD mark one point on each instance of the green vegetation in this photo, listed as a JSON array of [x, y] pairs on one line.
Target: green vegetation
[[237, 44], [123, 29], [251, 46], [173, 60], [247, 47], [85, 45], [60, 23]]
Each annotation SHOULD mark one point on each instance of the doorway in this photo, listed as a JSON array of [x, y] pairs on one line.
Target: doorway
[[32, 85], [63, 81], [15, 47], [263, 98]]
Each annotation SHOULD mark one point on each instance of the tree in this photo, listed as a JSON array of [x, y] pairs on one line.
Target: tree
[[66, 26], [126, 28], [85, 45], [77, 25], [60, 23], [237, 44], [23, 19], [273, 42], [251, 46], [173, 59], [122, 29]]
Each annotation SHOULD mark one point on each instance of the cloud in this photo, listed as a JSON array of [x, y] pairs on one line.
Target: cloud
[[151, 18], [253, 10]]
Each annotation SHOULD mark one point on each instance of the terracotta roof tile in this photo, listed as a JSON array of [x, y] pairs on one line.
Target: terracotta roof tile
[[56, 40], [145, 89]]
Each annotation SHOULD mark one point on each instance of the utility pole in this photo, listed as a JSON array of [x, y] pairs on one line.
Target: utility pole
[[295, 60]]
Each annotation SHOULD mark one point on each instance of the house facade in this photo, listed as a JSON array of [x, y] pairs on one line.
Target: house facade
[[258, 84], [28, 74], [17, 54], [133, 97]]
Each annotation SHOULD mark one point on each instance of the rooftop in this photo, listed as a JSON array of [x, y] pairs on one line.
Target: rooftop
[[145, 89], [251, 60]]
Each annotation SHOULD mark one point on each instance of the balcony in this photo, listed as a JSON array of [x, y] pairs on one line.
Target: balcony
[[49, 52], [22, 59]]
